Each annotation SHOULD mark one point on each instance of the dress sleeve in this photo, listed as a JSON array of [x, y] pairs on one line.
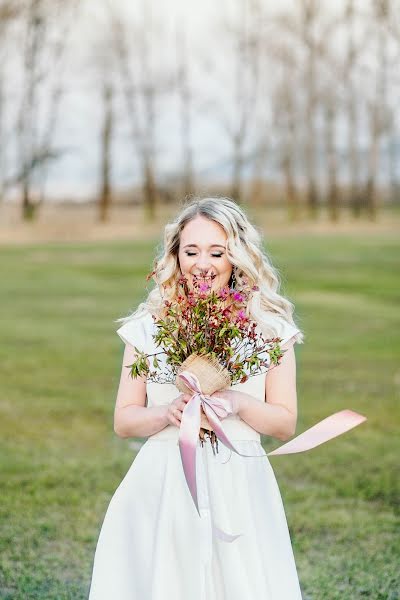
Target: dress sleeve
[[133, 332], [287, 331]]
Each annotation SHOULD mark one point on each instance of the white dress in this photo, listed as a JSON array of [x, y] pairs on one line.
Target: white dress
[[153, 545]]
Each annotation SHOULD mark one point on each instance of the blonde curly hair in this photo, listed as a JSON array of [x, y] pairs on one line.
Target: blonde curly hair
[[244, 251]]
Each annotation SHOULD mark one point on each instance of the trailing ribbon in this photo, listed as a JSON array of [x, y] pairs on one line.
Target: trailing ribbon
[[216, 408]]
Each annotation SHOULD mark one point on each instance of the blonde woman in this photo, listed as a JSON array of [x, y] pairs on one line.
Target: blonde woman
[[153, 545]]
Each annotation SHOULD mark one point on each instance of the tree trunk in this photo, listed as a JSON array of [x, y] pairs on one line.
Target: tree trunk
[[333, 197], [106, 139], [186, 121], [354, 158], [352, 121], [378, 112], [236, 185], [291, 189], [149, 191], [310, 83], [29, 212]]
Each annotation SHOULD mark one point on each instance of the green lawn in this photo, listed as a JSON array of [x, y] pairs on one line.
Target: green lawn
[[60, 365]]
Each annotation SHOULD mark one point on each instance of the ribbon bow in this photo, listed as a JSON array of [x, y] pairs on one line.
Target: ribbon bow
[[216, 408]]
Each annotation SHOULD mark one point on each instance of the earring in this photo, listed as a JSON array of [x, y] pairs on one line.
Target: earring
[[233, 278]]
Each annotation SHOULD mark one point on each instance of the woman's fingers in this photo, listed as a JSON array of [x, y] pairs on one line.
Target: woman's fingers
[[183, 400], [174, 412], [176, 409], [176, 417], [182, 405]]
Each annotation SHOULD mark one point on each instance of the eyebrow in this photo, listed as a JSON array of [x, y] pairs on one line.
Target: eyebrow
[[212, 246]]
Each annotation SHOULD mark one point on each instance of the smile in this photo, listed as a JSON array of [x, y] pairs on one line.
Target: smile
[[204, 278]]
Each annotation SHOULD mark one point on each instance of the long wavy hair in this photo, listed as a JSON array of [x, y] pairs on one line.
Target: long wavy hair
[[244, 251]]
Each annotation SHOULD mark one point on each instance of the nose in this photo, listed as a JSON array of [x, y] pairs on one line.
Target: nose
[[203, 265], [203, 270]]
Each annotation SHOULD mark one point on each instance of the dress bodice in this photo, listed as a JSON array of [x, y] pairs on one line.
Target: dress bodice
[[139, 332]]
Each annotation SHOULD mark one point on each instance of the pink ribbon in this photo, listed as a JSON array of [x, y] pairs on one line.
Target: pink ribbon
[[216, 408]]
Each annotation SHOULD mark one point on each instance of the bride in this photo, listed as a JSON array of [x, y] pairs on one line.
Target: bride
[[153, 545]]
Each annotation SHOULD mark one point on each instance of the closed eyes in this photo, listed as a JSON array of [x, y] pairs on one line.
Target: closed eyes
[[194, 254]]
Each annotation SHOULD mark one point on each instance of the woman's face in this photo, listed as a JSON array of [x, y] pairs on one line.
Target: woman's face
[[202, 253]]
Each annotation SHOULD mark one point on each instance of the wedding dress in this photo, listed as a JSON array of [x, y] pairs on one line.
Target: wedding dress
[[153, 545]]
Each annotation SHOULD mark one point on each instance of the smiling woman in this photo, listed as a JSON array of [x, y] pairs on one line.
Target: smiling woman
[[204, 258], [213, 236], [153, 543]]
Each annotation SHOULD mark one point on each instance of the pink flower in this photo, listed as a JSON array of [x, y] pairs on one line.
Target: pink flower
[[238, 297], [223, 293], [242, 315], [204, 287]]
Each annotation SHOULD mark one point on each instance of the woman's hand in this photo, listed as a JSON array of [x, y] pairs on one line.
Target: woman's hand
[[175, 409], [236, 399]]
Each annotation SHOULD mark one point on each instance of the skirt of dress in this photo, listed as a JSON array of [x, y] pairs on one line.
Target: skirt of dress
[[153, 545]]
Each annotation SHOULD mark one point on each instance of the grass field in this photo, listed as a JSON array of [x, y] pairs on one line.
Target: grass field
[[61, 461]]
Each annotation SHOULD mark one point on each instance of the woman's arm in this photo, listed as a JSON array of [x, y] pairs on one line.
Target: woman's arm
[[276, 417], [131, 416]]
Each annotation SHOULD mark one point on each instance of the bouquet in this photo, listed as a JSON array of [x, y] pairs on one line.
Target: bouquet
[[210, 334]]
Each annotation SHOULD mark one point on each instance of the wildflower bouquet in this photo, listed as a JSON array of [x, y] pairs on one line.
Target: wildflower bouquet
[[208, 333]]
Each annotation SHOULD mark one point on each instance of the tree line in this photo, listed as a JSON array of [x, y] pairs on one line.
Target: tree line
[[306, 95]]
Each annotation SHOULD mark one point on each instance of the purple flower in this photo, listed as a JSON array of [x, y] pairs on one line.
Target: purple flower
[[242, 315], [238, 297]]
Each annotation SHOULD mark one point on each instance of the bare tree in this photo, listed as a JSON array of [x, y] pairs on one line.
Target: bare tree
[[144, 79], [332, 163], [106, 141], [40, 56], [101, 65], [299, 29], [242, 34], [393, 25], [185, 97], [27, 121], [286, 122], [378, 114], [309, 12], [247, 56], [332, 98], [63, 21], [352, 105], [9, 12]]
